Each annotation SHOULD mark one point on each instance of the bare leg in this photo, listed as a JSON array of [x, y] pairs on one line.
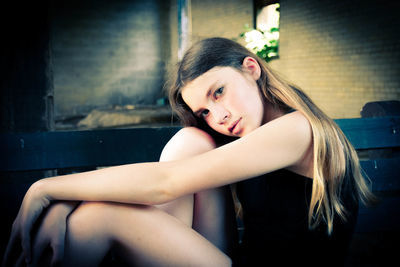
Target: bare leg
[[214, 218], [148, 235]]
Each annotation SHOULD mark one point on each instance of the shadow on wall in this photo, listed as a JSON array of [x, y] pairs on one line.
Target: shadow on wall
[[107, 53]]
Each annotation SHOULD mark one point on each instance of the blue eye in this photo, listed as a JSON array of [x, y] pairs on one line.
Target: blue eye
[[204, 113], [218, 92]]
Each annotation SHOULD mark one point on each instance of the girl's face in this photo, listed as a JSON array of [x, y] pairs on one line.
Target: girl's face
[[227, 99]]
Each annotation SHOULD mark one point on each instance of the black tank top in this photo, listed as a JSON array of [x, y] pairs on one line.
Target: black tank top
[[275, 218]]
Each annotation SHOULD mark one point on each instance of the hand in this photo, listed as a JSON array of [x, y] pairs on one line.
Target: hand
[[51, 233], [31, 208]]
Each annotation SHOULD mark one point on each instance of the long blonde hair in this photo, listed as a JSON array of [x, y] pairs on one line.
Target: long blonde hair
[[336, 164]]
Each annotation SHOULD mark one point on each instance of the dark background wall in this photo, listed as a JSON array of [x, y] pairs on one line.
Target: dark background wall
[[26, 88], [60, 58], [108, 53], [26, 92]]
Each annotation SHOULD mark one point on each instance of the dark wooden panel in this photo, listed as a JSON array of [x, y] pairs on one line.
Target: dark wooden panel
[[48, 150], [369, 133], [383, 173], [51, 150], [385, 183], [384, 216]]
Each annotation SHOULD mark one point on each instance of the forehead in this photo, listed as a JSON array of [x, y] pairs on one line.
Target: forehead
[[195, 92]]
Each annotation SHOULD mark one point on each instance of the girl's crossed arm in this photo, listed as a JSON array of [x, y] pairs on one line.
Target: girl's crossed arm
[[278, 144]]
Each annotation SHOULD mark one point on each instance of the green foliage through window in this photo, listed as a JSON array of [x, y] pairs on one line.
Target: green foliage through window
[[264, 41]]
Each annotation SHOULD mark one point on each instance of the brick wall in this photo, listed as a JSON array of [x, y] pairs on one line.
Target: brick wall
[[222, 18], [342, 53], [108, 53]]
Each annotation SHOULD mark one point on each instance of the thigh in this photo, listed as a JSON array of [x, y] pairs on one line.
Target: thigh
[[148, 236], [214, 218], [181, 208]]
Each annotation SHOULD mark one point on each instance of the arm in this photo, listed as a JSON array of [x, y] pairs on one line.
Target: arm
[[51, 232], [279, 144]]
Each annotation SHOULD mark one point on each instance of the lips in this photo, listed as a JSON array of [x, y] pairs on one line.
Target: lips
[[232, 127]]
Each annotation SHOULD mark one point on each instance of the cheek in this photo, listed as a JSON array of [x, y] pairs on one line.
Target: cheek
[[252, 104], [213, 124], [216, 126]]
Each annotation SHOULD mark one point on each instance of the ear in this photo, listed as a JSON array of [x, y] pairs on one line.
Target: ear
[[251, 66]]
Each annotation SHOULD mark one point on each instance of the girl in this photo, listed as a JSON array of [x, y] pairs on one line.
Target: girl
[[299, 179]]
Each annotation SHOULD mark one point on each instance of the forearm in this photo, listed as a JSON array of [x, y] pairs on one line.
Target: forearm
[[143, 183]]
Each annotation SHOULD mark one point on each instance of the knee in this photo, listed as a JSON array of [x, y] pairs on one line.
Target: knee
[[177, 148], [87, 230], [89, 221]]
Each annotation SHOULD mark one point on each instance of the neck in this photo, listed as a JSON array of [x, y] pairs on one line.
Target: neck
[[271, 113]]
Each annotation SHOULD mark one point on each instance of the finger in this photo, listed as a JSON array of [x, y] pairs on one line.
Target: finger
[[20, 261], [26, 234], [58, 254], [26, 239], [37, 250], [12, 252], [58, 247], [26, 246]]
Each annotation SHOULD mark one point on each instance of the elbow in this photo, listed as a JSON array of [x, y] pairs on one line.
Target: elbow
[[161, 196], [163, 185], [163, 192]]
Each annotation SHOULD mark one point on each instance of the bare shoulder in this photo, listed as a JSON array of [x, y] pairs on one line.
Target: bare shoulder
[[294, 129], [297, 121], [291, 124], [301, 134], [187, 142]]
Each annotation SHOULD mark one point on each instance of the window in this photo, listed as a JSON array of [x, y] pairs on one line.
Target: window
[[264, 39]]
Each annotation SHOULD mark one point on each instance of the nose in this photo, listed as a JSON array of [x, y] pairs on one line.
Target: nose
[[223, 120], [221, 115]]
